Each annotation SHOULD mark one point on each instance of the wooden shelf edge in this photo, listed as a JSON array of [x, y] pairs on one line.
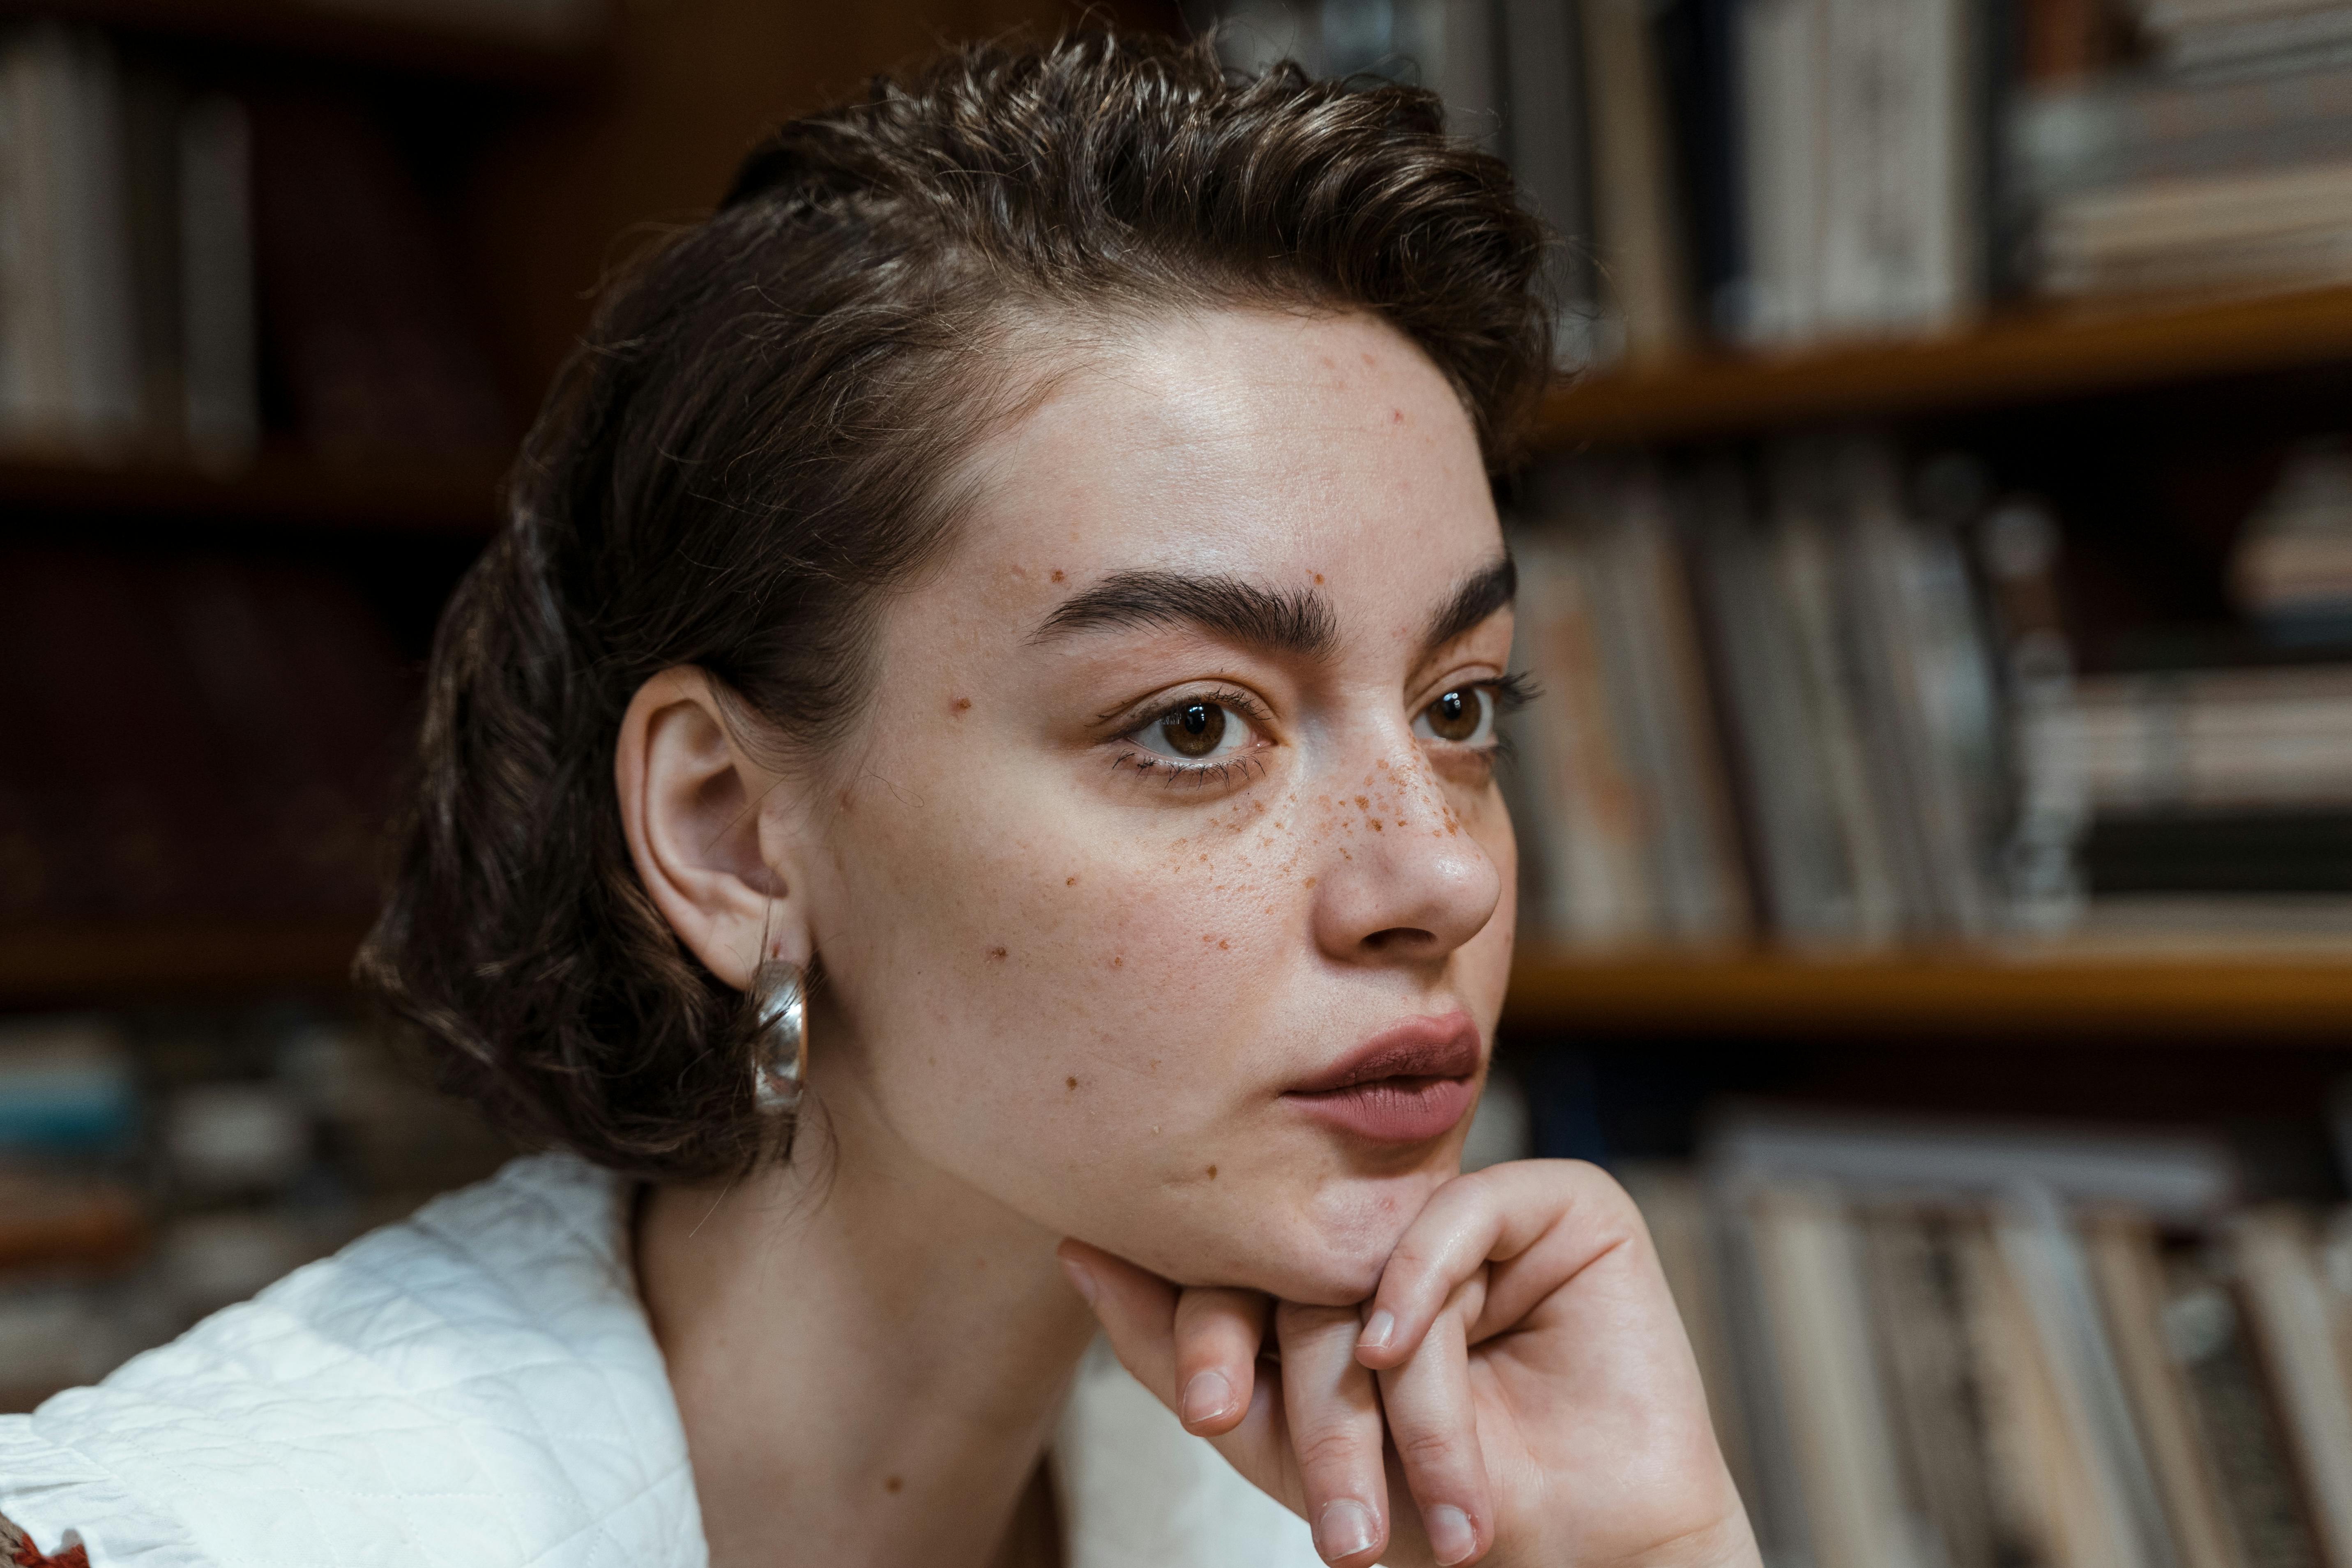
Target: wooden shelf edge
[[2303, 995], [2039, 354], [413, 497], [98, 964]]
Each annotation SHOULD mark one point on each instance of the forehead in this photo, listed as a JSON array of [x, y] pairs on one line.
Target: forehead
[[1269, 446]]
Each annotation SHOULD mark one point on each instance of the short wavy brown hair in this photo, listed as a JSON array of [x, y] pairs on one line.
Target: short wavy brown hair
[[750, 444]]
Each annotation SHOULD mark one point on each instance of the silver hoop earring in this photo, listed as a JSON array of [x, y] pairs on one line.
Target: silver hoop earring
[[780, 1042]]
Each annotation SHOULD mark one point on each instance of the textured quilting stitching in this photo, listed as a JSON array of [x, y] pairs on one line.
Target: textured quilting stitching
[[559, 1447], [458, 1275]]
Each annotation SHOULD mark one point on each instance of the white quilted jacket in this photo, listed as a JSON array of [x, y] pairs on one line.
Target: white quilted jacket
[[478, 1387]]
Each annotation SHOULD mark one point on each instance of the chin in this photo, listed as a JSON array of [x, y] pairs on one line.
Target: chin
[[1329, 1250]]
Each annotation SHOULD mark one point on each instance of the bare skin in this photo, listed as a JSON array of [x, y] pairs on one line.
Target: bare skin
[[1176, 789]]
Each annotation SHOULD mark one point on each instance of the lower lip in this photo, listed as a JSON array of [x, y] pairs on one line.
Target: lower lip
[[1391, 1110]]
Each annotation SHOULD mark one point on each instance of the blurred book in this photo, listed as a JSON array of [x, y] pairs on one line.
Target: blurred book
[[1966, 1345], [162, 234], [1769, 703], [155, 1168], [1821, 694], [2291, 567], [274, 690], [1635, 825], [359, 293]]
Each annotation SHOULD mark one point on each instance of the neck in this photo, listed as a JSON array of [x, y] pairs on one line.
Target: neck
[[868, 1354]]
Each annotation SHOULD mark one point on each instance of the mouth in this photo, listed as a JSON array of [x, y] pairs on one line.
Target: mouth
[[1404, 1085]]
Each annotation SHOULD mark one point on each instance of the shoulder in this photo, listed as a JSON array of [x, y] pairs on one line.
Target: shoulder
[[477, 1384]]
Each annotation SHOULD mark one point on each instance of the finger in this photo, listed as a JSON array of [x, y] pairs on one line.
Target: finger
[[1335, 1431], [1137, 1309], [1218, 1335], [1493, 1215], [1434, 1426]]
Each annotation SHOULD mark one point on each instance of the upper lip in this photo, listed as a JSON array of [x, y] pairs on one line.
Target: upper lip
[[1445, 1046]]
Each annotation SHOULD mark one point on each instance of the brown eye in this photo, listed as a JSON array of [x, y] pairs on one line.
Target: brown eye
[[1194, 730], [1464, 716]]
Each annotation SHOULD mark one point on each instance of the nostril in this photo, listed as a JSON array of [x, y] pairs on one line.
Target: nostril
[[1398, 936]]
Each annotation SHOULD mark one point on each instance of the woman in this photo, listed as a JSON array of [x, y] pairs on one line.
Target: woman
[[964, 800]]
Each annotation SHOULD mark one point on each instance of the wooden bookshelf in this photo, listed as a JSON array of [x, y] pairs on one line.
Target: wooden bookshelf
[[343, 35], [84, 965], [278, 490], [2020, 359], [2307, 995]]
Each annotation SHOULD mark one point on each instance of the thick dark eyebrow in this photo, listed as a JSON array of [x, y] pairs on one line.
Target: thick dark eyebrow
[[1479, 595], [1299, 623]]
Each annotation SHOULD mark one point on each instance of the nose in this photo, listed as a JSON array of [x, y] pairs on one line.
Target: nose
[[1403, 881]]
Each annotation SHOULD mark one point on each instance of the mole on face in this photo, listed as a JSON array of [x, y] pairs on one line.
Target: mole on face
[[1057, 574], [893, 1484], [1069, 881], [961, 705], [1072, 1083], [1213, 1173], [995, 952]]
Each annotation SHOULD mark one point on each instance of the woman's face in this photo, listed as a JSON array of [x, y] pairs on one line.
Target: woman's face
[[1166, 892]]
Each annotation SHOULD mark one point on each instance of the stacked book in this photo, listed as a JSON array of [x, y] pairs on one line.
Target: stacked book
[[162, 234], [154, 1169], [1829, 699], [1770, 173], [2217, 172], [1969, 1347], [126, 297], [1766, 702]]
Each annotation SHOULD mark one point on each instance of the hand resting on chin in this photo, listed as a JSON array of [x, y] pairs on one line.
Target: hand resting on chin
[[1518, 1392]]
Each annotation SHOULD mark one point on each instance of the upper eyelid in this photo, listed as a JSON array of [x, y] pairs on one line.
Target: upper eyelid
[[1434, 690], [1118, 722]]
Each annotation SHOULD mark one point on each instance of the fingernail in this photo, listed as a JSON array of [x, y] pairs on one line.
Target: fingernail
[[1345, 1530], [1206, 1396], [1080, 1280], [1378, 1331], [1450, 1538]]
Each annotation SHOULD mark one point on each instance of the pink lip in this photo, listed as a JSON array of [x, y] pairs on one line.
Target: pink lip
[[1405, 1085]]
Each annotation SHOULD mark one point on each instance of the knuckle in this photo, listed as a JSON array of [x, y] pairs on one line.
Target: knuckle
[[1432, 1448], [1324, 1449]]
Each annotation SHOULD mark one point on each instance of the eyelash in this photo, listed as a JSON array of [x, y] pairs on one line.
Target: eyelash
[[1196, 774], [1509, 692], [1512, 692]]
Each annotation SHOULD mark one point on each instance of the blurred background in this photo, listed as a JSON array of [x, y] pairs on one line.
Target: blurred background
[[1937, 568]]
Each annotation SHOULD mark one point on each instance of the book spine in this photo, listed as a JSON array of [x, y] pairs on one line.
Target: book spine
[[1599, 885], [1778, 50], [222, 414], [1845, 1450], [1550, 148], [1635, 218], [2295, 1328]]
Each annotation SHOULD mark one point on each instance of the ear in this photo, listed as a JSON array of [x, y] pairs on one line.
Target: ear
[[708, 828]]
